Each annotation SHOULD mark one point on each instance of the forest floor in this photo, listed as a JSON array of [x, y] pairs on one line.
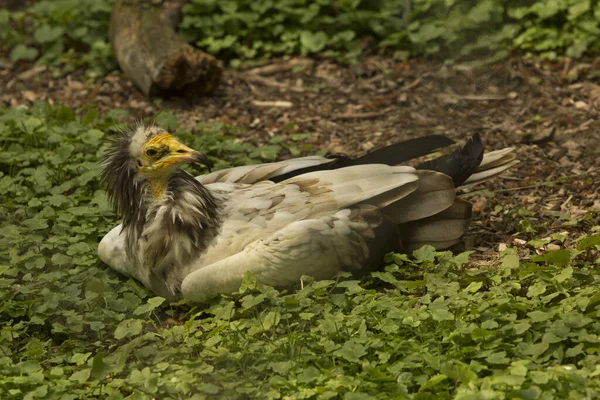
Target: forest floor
[[548, 112]]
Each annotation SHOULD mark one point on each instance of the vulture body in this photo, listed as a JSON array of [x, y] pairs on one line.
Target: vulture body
[[196, 237]]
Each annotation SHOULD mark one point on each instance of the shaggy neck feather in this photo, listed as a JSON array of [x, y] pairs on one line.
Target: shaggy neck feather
[[167, 224]]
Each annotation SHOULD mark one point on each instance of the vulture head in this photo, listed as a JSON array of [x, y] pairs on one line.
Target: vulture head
[[168, 217]]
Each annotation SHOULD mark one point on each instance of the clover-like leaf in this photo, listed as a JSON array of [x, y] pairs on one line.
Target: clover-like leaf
[[128, 327]]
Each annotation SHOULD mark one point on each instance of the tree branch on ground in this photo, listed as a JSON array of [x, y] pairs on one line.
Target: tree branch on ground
[[153, 56]]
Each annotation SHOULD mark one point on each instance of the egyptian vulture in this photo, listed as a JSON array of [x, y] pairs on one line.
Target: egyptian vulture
[[194, 238]]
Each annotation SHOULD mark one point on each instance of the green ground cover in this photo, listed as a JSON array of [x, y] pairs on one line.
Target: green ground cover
[[74, 33], [428, 327]]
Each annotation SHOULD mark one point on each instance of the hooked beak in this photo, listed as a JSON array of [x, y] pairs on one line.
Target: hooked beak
[[180, 153], [202, 159]]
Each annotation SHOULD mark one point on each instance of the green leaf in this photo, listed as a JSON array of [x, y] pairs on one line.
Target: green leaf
[[313, 42], [589, 242], [78, 248], [565, 274], [433, 381], [358, 396], [538, 243], [39, 392], [116, 114], [47, 33], [309, 374], [63, 153], [534, 350], [80, 358], [519, 368], [151, 304], [425, 253], [22, 52], [65, 115], [427, 33], [510, 261], [60, 259], [474, 287], [31, 124], [209, 388], [574, 351], [90, 117], [521, 328], [462, 258], [498, 358], [128, 327], [536, 289], [93, 137], [298, 137], [442, 315], [29, 366], [36, 224], [558, 257], [248, 282], [271, 320], [538, 316], [459, 371], [166, 120], [578, 8], [81, 376], [351, 351], [540, 377], [479, 333], [99, 367]]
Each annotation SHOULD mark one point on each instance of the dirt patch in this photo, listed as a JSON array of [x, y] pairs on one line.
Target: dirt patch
[[354, 109], [551, 118]]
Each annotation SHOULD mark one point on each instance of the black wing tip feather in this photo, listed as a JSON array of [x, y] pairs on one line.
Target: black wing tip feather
[[461, 163], [393, 154], [407, 150], [476, 143]]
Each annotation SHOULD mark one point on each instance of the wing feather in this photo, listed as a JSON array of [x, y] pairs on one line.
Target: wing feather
[[435, 193], [318, 247], [250, 174], [253, 212], [362, 183]]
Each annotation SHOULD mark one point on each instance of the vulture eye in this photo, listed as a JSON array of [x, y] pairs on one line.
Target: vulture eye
[[151, 152]]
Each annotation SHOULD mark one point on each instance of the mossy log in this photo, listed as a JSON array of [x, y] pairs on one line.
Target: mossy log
[[153, 56]]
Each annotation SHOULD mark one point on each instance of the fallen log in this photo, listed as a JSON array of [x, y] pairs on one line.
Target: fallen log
[[153, 56]]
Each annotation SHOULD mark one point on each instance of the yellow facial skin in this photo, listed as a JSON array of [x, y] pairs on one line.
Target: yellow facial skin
[[159, 156]]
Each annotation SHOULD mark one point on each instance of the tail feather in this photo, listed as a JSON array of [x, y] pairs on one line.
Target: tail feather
[[496, 158], [493, 164], [435, 193], [486, 175], [440, 231], [460, 164], [435, 217]]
